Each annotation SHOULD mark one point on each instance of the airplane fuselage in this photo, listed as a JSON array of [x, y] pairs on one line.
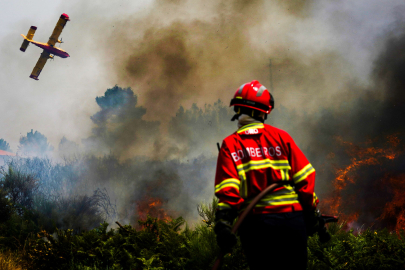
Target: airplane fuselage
[[51, 49]]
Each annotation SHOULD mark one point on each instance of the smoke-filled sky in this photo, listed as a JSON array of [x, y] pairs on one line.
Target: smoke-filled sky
[[337, 68], [178, 52]]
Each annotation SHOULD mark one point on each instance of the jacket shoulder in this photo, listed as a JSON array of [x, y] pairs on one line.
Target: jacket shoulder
[[231, 137], [276, 131]]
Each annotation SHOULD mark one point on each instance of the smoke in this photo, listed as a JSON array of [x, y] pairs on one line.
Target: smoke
[[176, 56], [373, 122], [336, 69]]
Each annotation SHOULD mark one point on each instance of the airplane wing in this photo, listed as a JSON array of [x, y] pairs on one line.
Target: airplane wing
[[58, 29], [40, 65]]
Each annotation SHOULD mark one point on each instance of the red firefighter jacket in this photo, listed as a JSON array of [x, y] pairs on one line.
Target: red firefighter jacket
[[256, 156]]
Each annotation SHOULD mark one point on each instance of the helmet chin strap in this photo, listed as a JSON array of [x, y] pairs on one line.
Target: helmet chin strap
[[235, 117], [238, 113], [245, 119], [257, 115]]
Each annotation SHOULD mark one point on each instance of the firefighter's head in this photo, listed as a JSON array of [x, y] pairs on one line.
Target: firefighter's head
[[252, 99]]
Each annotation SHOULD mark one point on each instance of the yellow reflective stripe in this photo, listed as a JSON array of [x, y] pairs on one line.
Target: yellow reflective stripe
[[275, 199], [285, 176], [280, 197], [243, 185], [239, 97], [315, 198], [302, 174], [289, 188], [283, 202], [263, 163], [257, 165], [222, 206], [249, 126], [230, 182]]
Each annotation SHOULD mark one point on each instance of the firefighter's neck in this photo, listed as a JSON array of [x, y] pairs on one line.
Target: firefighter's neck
[[245, 119]]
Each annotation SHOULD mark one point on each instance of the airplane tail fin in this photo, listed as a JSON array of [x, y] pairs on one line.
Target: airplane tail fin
[[28, 38]]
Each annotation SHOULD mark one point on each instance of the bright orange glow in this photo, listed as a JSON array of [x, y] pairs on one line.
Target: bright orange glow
[[395, 209], [152, 207], [361, 156]]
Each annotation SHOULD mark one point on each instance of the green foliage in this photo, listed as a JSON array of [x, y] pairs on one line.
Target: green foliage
[[6, 207], [25, 210], [119, 116], [207, 212], [59, 232], [158, 244], [19, 188], [369, 249], [116, 105], [4, 145]]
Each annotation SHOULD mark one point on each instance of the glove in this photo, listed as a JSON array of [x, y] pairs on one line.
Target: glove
[[223, 229], [312, 218], [315, 224]]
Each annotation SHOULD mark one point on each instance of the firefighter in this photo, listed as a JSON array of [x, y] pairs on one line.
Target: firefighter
[[274, 235]]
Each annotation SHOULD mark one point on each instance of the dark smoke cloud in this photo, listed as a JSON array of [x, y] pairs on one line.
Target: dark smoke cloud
[[389, 76], [174, 57], [183, 52], [175, 61], [371, 120]]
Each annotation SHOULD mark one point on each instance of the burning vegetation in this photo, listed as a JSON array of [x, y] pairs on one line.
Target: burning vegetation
[[152, 207], [368, 169], [147, 165]]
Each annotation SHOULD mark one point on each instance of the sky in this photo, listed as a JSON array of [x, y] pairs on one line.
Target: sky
[[317, 48], [62, 101]]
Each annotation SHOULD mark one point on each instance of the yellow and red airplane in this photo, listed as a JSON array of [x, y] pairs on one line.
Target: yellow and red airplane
[[49, 48]]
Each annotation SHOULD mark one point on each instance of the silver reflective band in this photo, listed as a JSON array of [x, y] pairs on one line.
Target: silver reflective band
[[287, 194], [261, 90], [284, 191], [241, 88], [261, 203], [227, 182], [303, 174], [249, 166]]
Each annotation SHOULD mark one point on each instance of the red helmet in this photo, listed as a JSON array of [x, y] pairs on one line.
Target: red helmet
[[255, 96]]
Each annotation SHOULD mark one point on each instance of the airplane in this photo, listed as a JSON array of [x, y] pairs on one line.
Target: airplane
[[50, 50]]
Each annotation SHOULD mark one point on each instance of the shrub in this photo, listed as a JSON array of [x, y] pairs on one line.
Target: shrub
[[20, 188], [6, 207], [9, 261]]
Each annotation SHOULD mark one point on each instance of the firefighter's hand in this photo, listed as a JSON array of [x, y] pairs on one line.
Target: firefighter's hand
[[311, 221], [223, 226], [225, 238]]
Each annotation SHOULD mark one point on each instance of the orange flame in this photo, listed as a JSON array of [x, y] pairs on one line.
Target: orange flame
[[396, 208], [152, 207], [363, 156]]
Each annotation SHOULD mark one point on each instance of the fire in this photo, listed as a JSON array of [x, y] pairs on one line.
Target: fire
[[152, 207], [395, 210], [361, 157]]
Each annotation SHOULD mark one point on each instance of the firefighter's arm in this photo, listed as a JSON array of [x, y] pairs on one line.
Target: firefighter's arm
[[303, 175], [227, 181], [227, 191]]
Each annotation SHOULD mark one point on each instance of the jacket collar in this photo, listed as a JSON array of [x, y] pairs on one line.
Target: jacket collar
[[251, 129]]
